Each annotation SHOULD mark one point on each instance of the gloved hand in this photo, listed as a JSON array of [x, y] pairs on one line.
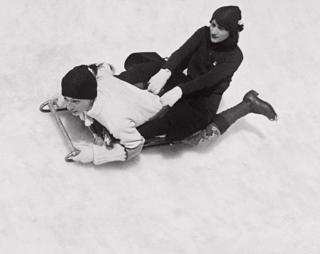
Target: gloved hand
[[59, 101], [103, 154], [86, 153], [99, 154], [157, 82], [171, 97]]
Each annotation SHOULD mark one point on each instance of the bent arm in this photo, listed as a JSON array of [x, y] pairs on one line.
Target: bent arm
[[184, 52], [212, 78], [129, 146]]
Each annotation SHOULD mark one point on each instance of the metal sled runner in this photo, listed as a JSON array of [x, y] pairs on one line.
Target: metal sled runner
[[49, 106]]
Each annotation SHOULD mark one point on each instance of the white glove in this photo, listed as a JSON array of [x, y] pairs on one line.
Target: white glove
[[157, 82], [86, 153], [59, 101], [102, 154], [99, 154], [171, 97]]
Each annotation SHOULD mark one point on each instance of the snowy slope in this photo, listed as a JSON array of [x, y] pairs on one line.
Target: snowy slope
[[256, 190]]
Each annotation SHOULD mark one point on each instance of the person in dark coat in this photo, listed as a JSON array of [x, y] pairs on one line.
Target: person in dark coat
[[210, 57]]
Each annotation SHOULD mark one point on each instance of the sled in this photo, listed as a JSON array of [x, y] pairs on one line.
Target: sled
[[51, 107], [101, 133], [157, 141]]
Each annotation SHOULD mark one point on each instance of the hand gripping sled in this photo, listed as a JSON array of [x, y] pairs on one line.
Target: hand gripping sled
[[51, 108], [44, 107]]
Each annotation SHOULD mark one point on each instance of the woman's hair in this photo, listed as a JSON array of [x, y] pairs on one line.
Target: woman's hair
[[229, 17]]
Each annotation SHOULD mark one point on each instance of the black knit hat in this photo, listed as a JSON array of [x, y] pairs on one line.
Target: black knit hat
[[79, 83], [228, 17]]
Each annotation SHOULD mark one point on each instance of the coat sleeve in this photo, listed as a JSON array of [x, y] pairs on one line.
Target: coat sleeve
[[214, 77], [130, 145], [118, 152], [185, 51], [130, 139]]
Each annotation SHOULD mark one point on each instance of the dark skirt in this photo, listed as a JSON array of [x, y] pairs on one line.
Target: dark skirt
[[186, 117]]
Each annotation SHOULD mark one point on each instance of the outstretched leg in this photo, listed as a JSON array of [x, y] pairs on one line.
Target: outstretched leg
[[251, 103]]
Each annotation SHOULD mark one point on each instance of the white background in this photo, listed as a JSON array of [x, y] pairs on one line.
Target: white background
[[255, 190]]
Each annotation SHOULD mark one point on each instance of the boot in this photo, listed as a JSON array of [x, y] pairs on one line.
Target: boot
[[250, 104], [259, 106]]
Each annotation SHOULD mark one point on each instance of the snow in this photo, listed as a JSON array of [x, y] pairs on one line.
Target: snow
[[255, 190]]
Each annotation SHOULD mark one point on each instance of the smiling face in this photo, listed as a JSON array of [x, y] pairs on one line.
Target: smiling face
[[217, 33], [78, 106]]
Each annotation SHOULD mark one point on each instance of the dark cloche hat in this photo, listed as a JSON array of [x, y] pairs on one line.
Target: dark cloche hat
[[79, 83], [228, 17]]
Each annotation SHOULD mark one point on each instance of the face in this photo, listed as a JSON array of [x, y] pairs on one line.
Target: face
[[78, 106], [217, 33]]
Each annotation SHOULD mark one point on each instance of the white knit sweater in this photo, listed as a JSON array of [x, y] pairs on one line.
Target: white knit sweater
[[121, 108]]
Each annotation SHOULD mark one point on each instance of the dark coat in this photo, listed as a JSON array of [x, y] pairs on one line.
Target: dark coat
[[209, 73]]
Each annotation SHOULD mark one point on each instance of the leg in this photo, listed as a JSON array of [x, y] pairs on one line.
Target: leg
[[250, 104], [179, 122], [221, 122], [185, 118]]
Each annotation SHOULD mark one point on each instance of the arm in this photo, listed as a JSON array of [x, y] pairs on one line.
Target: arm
[[185, 51], [213, 77], [157, 82], [130, 145], [102, 154]]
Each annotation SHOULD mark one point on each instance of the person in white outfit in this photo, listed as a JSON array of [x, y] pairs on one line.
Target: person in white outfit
[[93, 93]]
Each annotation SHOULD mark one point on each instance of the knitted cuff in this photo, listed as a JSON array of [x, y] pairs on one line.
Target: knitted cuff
[[103, 155]]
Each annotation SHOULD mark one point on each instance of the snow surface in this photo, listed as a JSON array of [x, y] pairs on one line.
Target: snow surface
[[256, 190]]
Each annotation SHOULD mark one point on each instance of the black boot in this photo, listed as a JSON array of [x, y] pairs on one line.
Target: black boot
[[250, 104], [259, 106]]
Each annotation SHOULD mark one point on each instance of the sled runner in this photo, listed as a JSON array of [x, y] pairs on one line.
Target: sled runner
[[49, 106]]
